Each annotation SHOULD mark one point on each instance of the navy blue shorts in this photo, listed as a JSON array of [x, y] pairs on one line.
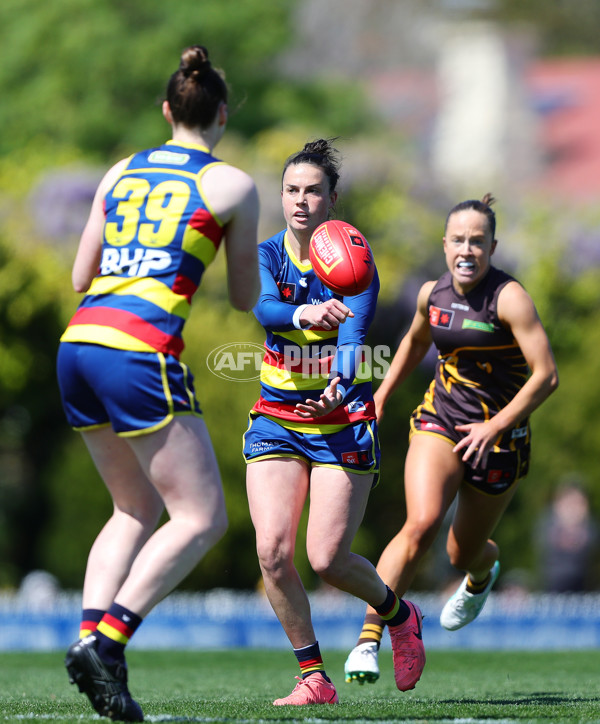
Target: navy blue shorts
[[134, 392], [354, 448]]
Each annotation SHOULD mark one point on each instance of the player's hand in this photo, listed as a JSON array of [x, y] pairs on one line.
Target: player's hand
[[328, 401], [328, 315], [478, 441], [378, 407]]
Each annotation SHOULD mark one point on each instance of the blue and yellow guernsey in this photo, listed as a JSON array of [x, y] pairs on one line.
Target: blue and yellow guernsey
[[159, 237], [299, 362]]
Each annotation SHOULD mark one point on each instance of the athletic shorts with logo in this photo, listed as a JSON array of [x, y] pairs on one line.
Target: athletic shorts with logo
[[503, 469], [354, 448]]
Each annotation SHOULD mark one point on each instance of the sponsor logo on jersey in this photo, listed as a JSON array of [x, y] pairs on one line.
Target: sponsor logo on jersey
[[356, 406], [439, 317], [481, 326], [519, 432], [303, 282], [287, 291], [169, 157], [458, 305], [356, 457], [137, 262]]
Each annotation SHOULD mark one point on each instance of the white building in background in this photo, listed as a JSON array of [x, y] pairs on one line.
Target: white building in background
[[484, 134]]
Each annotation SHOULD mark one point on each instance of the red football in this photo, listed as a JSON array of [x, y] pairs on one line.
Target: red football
[[341, 257]]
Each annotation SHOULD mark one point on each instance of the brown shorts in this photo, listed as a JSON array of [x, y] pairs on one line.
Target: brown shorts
[[503, 468]]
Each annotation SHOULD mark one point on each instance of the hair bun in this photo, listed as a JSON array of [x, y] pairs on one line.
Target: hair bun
[[194, 61]]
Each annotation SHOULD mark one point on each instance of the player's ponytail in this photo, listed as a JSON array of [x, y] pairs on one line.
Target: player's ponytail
[[196, 89]]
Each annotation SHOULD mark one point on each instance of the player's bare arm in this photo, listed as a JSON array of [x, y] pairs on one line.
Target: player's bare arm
[[233, 197], [410, 352], [517, 311], [87, 259]]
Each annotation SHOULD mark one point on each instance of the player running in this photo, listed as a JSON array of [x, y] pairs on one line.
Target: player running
[[470, 437]]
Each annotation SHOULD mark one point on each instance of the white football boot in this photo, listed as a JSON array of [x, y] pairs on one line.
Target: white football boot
[[464, 607], [361, 664]]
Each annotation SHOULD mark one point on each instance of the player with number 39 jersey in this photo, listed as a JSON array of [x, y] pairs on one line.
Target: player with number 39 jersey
[[159, 236], [156, 222]]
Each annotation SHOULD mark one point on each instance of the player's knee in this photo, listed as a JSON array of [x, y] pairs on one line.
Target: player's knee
[[275, 558], [420, 534], [329, 567], [208, 531], [458, 558]]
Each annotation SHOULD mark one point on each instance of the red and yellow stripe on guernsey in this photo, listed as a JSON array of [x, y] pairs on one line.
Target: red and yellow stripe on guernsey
[[120, 329], [115, 629], [203, 236], [337, 419]]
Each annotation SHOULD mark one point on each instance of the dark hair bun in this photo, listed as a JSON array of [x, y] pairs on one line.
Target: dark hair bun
[[194, 62]]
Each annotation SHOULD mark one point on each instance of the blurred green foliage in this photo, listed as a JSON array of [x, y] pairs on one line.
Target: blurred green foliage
[[84, 80]]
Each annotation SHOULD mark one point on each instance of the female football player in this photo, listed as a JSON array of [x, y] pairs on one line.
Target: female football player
[[156, 222], [312, 434], [470, 437]]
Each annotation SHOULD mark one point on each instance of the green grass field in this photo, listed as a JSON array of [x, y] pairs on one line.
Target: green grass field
[[240, 686]]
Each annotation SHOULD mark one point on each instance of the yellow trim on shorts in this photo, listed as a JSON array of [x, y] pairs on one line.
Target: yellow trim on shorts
[[430, 434], [274, 456], [89, 428]]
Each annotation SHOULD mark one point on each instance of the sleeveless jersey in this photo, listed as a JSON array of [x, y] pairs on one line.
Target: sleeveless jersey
[[159, 237], [299, 362], [480, 366]]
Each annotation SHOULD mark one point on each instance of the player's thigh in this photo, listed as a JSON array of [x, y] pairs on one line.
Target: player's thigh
[[432, 477], [477, 515], [338, 500], [119, 468], [277, 490], [180, 461]]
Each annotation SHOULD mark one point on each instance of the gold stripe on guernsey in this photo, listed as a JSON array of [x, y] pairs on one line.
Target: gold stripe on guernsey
[[198, 245], [98, 334], [307, 429], [307, 336], [302, 266], [149, 289], [283, 379]]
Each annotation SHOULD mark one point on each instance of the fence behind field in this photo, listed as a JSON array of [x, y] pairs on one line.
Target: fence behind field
[[223, 619]]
